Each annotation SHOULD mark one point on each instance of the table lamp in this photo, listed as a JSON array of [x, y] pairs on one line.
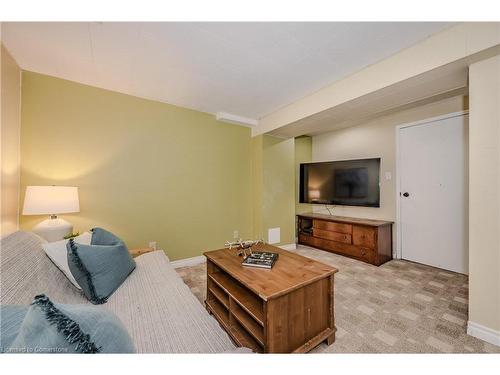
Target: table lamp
[[314, 195], [51, 200]]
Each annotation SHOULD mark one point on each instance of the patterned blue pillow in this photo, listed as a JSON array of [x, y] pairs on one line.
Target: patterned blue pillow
[[101, 267], [46, 327]]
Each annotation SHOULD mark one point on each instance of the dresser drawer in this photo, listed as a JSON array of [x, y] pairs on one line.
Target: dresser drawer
[[332, 227], [361, 253], [306, 240], [363, 236], [334, 236]]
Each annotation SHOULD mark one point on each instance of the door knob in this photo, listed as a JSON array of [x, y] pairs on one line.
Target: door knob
[[406, 194]]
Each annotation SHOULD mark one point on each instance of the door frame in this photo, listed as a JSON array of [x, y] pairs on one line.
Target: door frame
[[399, 250]]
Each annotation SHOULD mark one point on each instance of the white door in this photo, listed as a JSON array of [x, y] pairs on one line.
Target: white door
[[433, 174]]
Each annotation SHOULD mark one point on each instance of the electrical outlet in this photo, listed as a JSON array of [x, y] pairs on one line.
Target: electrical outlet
[[236, 235], [153, 245]]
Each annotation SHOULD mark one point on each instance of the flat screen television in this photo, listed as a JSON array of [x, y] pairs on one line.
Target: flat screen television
[[346, 182]]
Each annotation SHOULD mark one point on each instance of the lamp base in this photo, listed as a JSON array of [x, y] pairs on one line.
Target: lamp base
[[53, 229]]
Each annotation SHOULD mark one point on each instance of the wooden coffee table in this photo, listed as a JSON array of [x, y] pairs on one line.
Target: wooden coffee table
[[286, 309]]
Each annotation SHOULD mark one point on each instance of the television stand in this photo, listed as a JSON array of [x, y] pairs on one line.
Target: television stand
[[363, 239]]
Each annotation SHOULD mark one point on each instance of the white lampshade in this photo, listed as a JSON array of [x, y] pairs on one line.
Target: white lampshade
[[41, 200], [314, 194]]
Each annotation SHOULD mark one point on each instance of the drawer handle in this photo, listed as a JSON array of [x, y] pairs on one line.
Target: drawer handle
[[363, 252]]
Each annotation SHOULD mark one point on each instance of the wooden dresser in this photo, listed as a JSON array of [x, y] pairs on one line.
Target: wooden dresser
[[286, 309], [362, 239]]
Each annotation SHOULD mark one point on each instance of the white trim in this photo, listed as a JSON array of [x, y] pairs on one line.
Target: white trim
[[398, 253], [484, 333], [188, 262], [235, 119], [290, 246], [194, 261]]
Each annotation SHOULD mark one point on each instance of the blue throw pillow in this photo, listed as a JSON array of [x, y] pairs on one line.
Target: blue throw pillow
[[101, 267], [103, 237], [46, 327]]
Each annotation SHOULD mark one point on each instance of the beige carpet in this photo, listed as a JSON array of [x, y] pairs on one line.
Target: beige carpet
[[399, 307]]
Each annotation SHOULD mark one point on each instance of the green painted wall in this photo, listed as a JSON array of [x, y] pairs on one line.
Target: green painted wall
[[146, 170], [278, 203], [257, 186], [303, 154], [274, 187]]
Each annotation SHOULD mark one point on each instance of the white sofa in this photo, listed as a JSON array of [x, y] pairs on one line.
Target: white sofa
[[158, 309]]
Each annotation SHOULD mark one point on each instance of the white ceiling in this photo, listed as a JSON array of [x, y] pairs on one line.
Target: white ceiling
[[438, 84], [247, 69]]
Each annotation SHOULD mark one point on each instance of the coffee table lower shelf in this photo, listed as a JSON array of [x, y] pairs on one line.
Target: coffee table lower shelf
[[235, 331]]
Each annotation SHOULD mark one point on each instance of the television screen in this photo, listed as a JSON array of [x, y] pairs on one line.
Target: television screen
[[347, 182]]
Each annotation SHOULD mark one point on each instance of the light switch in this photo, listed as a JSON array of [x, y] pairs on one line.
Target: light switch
[[388, 176]]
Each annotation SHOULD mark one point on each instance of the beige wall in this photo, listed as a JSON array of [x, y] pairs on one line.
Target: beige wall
[[484, 194], [146, 170], [10, 155], [376, 138]]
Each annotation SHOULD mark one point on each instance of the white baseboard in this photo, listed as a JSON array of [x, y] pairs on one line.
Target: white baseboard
[[194, 261], [290, 246], [484, 333], [188, 262]]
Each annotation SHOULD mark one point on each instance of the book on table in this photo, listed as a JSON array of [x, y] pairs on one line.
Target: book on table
[[260, 259]]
